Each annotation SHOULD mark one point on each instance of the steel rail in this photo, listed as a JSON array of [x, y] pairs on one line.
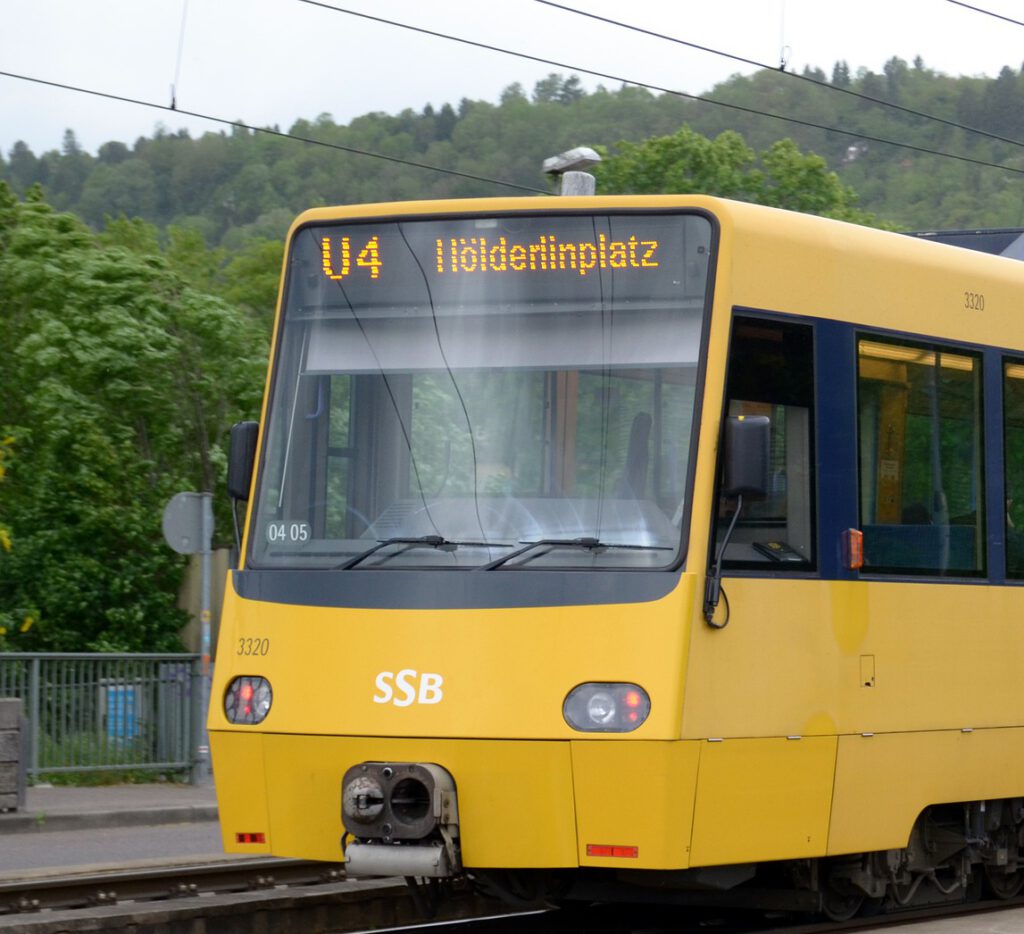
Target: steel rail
[[152, 883]]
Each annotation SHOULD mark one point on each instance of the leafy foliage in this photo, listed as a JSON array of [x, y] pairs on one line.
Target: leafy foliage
[[120, 384], [236, 187], [782, 177]]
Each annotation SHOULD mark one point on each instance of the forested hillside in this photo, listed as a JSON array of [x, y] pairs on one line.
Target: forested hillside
[[120, 382], [233, 186]]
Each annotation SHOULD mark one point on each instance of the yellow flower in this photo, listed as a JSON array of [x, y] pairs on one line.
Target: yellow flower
[[5, 539], [27, 624]]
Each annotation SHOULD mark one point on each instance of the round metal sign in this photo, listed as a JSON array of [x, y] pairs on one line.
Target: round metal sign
[[183, 523]]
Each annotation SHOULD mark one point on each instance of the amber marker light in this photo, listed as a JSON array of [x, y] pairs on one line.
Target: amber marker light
[[853, 549]]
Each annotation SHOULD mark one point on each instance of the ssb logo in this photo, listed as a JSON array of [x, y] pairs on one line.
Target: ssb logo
[[408, 687]]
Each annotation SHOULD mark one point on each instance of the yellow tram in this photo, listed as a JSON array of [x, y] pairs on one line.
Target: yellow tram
[[599, 544]]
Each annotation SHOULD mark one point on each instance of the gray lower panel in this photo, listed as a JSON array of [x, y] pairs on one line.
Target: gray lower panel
[[444, 590]]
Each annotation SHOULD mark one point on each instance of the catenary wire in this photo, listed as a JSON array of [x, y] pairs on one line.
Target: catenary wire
[[665, 90], [978, 9], [181, 49], [789, 74], [272, 132]]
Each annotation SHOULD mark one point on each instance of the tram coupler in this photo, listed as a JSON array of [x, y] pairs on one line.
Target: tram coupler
[[404, 819]]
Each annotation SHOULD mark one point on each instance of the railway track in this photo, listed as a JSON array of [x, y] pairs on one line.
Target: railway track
[[91, 888], [274, 896], [282, 896]]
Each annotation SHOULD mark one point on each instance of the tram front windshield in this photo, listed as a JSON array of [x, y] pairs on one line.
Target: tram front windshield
[[501, 393]]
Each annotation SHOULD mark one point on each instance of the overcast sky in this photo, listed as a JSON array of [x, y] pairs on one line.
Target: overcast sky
[[269, 62]]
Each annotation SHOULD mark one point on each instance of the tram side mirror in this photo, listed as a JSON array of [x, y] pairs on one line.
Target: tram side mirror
[[746, 461], [241, 458]]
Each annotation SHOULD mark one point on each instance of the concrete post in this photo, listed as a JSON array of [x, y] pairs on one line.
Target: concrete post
[[12, 755]]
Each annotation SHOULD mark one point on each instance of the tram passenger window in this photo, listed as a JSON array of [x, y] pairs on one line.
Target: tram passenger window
[[921, 479], [771, 372], [1013, 433]]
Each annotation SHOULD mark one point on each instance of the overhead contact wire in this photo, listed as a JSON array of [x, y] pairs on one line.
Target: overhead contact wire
[[664, 90], [789, 74], [978, 9], [271, 132]]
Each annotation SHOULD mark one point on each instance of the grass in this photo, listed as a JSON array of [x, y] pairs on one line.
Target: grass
[[99, 778], [89, 759]]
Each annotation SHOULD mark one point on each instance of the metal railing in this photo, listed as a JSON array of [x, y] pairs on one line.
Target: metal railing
[[92, 712]]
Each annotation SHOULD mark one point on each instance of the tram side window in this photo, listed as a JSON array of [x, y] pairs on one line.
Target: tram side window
[[921, 479], [1013, 434], [771, 372]]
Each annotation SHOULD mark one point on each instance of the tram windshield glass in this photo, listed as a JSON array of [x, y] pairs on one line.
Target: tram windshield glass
[[503, 392]]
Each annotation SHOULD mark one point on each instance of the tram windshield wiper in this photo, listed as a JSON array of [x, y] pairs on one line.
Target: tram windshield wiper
[[591, 544], [419, 541]]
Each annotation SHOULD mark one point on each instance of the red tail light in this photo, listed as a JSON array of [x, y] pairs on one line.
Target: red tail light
[[250, 838], [605, 849], [248, 700]]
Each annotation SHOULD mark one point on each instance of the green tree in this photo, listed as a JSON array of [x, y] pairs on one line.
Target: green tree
[[70, 171], [113, 153], [192, 259], [687, 162], [895, 78], [251, 279], [127, 187], [121, 382], [23, 168], [802, 182], [6, 445], [132, 234], [15, 621], [680, 163]]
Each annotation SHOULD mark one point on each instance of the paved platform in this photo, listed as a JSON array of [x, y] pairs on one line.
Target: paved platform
[[64, 807], [997, 921]]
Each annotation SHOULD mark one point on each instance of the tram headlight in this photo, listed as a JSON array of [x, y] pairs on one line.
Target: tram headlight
[[248, 700], [606, 707], [601, 708]]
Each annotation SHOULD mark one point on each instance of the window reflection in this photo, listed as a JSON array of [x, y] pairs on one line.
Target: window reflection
[[921, 479]]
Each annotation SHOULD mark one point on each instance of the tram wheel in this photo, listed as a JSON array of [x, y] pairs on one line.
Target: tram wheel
[[839, 905], [1003, 884]]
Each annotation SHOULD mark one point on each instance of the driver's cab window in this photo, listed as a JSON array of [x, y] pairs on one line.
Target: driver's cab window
[[771, 373]]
